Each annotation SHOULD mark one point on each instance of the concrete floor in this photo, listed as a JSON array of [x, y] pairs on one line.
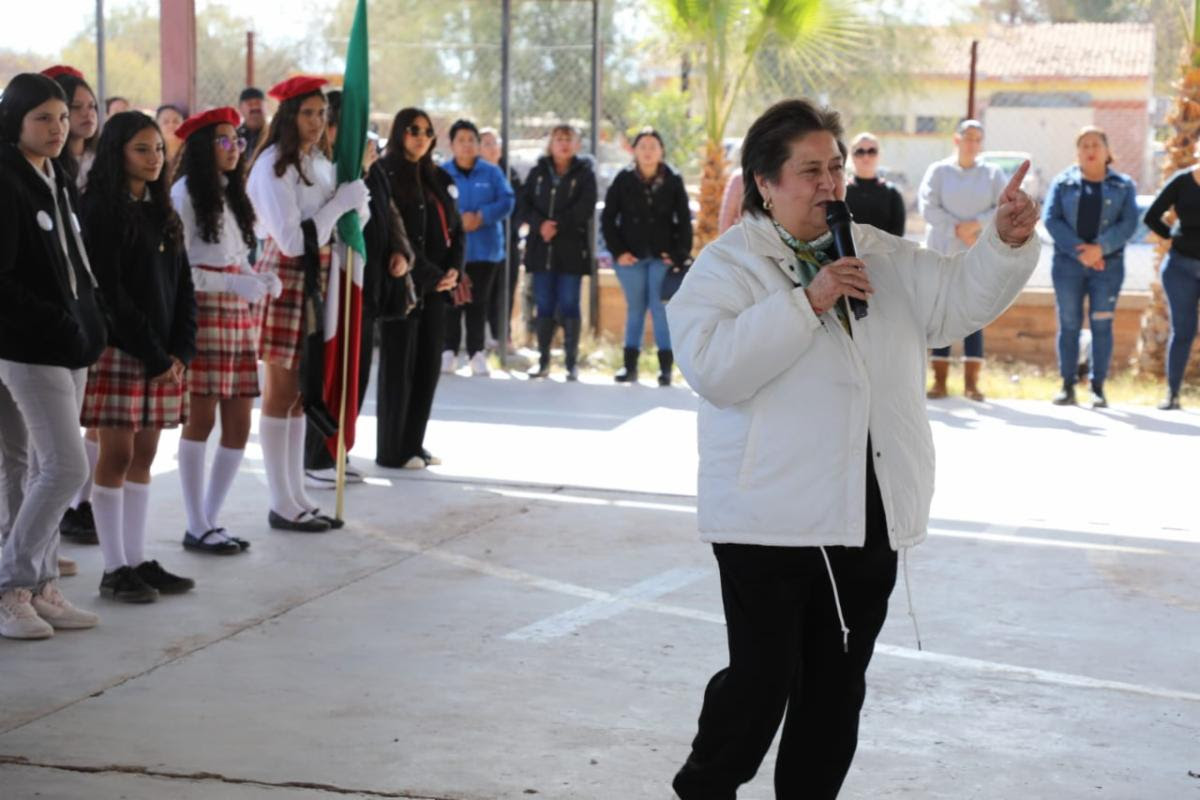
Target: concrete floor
[[536, 618]]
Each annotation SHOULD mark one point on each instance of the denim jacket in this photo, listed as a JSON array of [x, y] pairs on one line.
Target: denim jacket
[[1118, 212]]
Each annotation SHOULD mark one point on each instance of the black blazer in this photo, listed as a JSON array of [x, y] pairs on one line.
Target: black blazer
[[384, 235], [433, 254], [571, 204], [648, 219], [145, 280], [41, 320]]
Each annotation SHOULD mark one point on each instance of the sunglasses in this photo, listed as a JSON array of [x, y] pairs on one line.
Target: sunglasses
[[227, 144], [866, 151], [417, 130]]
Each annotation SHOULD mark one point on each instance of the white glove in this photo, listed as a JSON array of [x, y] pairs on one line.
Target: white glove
[[349, 197], [205, 280], [272, 282], [248, 287]]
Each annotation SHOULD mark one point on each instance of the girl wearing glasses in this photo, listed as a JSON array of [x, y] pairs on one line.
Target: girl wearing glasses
[[872, 200], [410, 349], [135, 241], [218, 232], [297, 201]]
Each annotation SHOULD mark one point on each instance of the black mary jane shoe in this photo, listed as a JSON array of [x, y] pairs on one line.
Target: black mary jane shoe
[[305, 523], [334, 522], [200, 544]]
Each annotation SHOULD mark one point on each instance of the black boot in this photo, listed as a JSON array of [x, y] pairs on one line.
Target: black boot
[[1171, 403], [545, 335], [571, 347], [666, 360], [1066, 397], [629, 372], [1098, 399]]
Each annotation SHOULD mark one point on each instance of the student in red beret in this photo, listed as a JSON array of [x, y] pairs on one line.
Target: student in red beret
[[296, 198]]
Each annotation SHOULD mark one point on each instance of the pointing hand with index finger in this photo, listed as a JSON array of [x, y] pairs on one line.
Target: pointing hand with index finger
[[1017, 214]]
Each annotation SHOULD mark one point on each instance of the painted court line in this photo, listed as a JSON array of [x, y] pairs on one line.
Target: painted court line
[[1013, 671], [598, 610]]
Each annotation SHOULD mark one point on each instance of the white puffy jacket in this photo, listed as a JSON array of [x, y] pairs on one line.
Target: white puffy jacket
[[787, 397]]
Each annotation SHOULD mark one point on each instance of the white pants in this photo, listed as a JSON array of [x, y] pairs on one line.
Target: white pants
[[39, 441]]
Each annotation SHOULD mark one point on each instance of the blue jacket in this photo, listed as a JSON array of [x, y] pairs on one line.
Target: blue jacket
[[1118, 213], [484, 189]]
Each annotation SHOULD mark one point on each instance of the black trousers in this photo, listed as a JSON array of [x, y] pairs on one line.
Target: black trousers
[[787, 663], [410, 361], [483, 277], [496, 308], [316, 454]]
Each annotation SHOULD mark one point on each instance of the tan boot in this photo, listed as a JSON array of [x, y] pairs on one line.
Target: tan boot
[[941, 368], [971, 380]]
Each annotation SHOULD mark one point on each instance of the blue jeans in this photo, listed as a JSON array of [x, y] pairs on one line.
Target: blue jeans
[[642, 283], [1181, 282], [556, 293], [972, 348], [1072, 282]]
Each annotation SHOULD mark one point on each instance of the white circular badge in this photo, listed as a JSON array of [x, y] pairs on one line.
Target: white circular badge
[[44, 221], [452, 190]]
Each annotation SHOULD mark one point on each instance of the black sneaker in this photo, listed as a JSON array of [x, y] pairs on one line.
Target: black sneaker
[[126, 585], [79, 525], [152, 573]]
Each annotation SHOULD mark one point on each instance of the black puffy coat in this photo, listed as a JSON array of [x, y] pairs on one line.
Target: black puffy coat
[[41, 320], [648, 218], [436, 249], [571, 203]]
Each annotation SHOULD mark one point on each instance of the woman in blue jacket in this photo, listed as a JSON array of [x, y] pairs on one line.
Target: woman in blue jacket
[[484, 200], [1090, 213]]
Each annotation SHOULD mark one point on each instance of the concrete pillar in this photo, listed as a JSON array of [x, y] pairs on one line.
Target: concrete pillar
[[177, 43]]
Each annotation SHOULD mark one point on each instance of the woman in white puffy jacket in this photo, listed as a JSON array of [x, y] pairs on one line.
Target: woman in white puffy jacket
[[816, 457]]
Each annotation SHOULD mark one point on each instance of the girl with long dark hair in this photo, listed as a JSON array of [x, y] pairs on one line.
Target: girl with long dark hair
[[136, 389], [297, 201], [51, 330], [80, 152], [218, 231], [410, 349]]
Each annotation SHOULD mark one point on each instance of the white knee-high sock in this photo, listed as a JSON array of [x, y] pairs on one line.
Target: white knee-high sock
[[84, 495], [296, 430], [224, 470], [191, 476], [137, 502], [273, 436], [108, 506]]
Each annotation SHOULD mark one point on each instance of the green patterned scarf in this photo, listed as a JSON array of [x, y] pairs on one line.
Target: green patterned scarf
[[810, 257]]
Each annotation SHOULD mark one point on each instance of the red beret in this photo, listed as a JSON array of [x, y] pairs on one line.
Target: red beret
[[62, 69], [296, 87], [214, 116]]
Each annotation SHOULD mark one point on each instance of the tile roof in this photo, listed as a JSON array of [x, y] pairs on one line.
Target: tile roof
[[1062, 50]]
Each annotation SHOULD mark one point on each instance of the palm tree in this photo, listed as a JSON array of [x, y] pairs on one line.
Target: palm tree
[[1181, 154], [723, 38]]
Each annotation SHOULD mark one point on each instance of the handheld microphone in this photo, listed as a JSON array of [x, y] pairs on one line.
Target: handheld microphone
[[838, 217]]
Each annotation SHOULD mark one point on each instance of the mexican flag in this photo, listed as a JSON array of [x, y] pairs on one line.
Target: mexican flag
[[350, 251]]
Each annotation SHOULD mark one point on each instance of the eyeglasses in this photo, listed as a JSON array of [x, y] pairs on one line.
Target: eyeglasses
[[226, 143], [866, 151], [417, 130]]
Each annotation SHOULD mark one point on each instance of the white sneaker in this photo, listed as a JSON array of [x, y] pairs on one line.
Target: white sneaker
[[416, 462], [479, 365], [18, 620], [52, 607], [449, 361], [327, 478]]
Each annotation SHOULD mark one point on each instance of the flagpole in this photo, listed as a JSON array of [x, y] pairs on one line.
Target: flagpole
[[345, 294]]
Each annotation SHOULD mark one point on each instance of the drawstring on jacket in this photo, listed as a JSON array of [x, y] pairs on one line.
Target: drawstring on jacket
[[908, 593], [837, 603]]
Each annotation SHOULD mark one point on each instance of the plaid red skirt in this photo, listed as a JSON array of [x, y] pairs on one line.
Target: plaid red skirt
[[282, 322], [119, 395], [227, 330]]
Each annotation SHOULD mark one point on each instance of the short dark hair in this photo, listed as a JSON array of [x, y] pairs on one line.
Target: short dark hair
[[768, 143], [251, 93], [168, 107], [108, 104], [463, 125], [24, 93], [648, 131]]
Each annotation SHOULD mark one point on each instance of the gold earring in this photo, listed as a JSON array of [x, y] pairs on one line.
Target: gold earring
[[767, 204]]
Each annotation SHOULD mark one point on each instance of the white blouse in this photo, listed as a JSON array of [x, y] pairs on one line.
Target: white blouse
[[229, 250], [282, 203]]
